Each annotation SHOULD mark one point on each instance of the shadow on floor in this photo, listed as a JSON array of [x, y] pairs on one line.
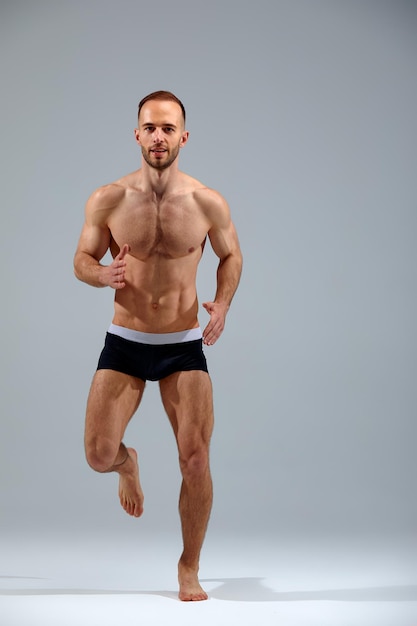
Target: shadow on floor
[[245, 590], [254, 590]]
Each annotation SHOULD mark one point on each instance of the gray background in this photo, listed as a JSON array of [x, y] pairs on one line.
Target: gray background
[[303, 115]]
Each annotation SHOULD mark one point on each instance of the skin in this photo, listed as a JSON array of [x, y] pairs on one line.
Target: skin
[[155, 222]]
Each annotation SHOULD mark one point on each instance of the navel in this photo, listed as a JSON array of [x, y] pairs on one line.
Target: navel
[[155, 305]]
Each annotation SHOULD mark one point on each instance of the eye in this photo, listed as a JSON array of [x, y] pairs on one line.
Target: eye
[[169, 129]]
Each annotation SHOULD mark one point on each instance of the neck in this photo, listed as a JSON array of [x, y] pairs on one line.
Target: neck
[[159, 182]]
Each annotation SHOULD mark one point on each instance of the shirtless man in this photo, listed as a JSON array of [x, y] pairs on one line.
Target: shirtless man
[[155, 222]]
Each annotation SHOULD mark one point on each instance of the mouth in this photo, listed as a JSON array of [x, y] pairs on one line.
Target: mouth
[[158, 151]]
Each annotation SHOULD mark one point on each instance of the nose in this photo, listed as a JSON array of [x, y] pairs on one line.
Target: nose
[[157, 135]]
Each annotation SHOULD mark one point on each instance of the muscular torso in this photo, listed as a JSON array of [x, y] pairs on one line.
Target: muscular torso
[[166, 238]]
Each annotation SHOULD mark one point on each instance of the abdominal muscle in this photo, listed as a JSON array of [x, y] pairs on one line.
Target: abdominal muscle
[[159, 296]]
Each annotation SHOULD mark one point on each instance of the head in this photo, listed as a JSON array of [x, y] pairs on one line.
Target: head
[[161, 128], [166, 96]]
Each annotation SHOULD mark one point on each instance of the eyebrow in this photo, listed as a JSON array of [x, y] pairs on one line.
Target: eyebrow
[[163, 124]]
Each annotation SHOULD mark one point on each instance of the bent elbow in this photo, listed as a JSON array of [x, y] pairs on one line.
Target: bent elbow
[[77, 268]]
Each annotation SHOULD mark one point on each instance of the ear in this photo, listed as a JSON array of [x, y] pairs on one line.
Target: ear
[[137, 136], [184, 138]]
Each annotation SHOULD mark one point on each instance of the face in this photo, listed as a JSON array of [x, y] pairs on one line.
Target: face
[[160, 133]]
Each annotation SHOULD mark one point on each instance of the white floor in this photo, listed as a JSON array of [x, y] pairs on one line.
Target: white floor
[[99, 580]]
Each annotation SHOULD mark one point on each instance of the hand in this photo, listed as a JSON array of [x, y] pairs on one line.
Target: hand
[[114, 275], [213, 330]]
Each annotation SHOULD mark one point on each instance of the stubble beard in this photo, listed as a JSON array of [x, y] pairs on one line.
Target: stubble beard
[[156, 163]]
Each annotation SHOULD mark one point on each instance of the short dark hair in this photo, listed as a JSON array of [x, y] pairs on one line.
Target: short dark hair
[[162, 95]]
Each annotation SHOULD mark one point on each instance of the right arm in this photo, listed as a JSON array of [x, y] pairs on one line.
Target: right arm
[[95, 241]]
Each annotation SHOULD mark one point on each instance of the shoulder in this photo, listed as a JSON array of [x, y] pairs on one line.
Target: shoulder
[[106, 196], [208, 200], [113, 193], [103, 201], [213, 205]]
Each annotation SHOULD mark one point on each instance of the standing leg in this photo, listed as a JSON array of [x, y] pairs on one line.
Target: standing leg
[[187, 398], [113, 399]]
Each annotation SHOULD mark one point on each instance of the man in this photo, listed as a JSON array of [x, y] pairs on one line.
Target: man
[[155, 222]]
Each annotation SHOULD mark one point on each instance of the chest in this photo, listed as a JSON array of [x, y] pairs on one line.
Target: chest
[[172, 228]]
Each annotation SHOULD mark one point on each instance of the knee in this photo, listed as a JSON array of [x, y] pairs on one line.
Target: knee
[[194, 462], [100, 454]]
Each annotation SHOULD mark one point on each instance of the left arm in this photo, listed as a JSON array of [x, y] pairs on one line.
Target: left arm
[[225, 244]]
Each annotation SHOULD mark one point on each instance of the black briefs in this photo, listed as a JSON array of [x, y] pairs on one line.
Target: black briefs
[[150, 361]]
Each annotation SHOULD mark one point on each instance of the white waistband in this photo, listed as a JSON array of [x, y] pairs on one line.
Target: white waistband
[[155, 339]]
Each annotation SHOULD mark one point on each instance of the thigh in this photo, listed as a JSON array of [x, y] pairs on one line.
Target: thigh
[[112, 401], [188, 400]]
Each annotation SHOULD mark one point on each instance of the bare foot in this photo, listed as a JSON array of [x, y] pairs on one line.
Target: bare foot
[[190, 588], [130, 491]]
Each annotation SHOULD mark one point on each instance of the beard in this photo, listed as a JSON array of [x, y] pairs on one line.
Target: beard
[[160, 164]]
